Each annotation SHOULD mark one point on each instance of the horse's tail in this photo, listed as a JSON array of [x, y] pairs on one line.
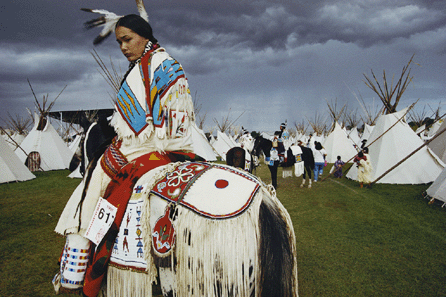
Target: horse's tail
[[310, 156], [277, 251], [89, 171]]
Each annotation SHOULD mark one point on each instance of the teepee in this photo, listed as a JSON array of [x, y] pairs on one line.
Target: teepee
[[43, 148], [201, 145], [353, 135], [222, 145], [388, 147], [337, 144], [438, 188], [434, 129], [367, 132], [11, 168], [53, 152], [18, 130], [438, 145]]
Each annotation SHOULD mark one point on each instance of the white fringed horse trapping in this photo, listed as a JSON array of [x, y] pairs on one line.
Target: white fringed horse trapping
[[206, 230]]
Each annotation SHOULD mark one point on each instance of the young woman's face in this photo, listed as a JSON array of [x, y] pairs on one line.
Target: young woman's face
[[132, 45]]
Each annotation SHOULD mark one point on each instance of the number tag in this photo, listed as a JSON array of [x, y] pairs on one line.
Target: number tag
[[104, 215]]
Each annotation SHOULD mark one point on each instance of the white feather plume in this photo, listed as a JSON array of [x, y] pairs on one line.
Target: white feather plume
[[142, 10], [108, 20]]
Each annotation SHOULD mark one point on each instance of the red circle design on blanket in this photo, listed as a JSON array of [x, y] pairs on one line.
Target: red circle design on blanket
[[221, 183]]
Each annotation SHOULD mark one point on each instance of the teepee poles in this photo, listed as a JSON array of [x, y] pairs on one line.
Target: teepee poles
[[385, 93], [112, 77]]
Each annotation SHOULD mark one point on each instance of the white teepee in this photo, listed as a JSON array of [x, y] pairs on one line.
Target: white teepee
[[433, 129], [438, 188], [353, 135], [337, 144], [438, 145], [16, 139], [395, 145], [11, 168], [223, 144], [367, 132], [201, 145], [74, 145], [421, 129], [54, 153]]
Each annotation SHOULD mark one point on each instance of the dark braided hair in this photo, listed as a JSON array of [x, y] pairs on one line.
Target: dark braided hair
[[138, 25]]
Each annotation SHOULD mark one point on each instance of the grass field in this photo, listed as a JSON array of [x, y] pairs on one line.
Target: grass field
[[383, 241]]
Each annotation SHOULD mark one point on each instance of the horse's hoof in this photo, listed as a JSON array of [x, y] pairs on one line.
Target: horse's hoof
[[309, 186], [301, 185]]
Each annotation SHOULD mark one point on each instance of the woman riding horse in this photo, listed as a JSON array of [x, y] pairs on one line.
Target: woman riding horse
[[152, 119], [202, 229]]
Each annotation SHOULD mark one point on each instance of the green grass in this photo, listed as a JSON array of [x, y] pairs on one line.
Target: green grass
[[29, 249], [382, 241]]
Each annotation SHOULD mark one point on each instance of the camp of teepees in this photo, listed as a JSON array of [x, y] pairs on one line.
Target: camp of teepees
[[404, 147]]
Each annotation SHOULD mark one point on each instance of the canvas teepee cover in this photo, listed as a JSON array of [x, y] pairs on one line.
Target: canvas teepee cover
[[16, 139], [438, 145], [53, 151], [223, 144], [354, 136], [11, 168], [201, 145], [396, 144], [438, 188], [367, 132], [337, 144], [434, 129]]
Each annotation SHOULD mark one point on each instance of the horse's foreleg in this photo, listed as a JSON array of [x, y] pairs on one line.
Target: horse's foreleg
[[303, 182], [309, 183], [308, 170]]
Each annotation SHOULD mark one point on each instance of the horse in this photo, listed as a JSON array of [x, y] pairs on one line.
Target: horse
[[96, 138], [203, 229], [264, 145]]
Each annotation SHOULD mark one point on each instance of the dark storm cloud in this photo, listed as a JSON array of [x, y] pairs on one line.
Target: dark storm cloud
[[281, 58]]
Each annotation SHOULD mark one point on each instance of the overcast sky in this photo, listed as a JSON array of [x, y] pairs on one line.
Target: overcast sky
[[270, 60]]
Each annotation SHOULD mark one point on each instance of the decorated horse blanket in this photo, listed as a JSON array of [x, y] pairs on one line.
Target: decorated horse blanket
[[212, 191], [205, 188]]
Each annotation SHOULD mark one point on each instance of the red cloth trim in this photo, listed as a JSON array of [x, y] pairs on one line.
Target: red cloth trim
[[145, 65], [118, 193], [146, 79], [112, 160]]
